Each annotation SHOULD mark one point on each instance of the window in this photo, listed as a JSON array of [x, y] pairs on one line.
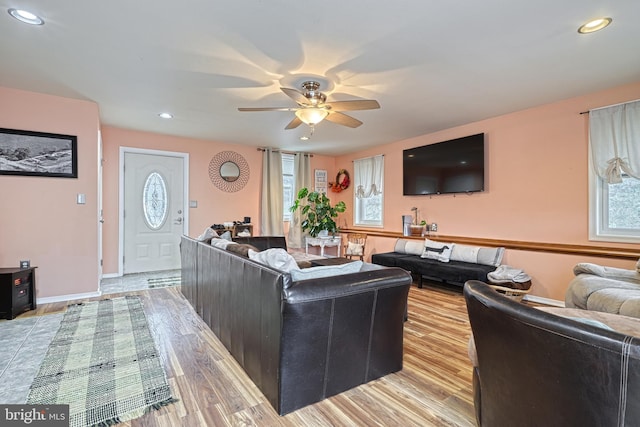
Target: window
[[288, 185], [614, 173], [154, 200], [615, 210], [368, 196]]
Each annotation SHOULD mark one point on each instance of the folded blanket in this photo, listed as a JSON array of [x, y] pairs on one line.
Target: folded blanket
[[506, 274]]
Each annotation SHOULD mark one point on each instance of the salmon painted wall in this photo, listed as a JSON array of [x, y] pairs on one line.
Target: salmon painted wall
[[39, 217], [536, 187], [214, 206]]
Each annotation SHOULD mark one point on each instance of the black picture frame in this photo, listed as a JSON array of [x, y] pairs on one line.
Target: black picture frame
[[29, 153]]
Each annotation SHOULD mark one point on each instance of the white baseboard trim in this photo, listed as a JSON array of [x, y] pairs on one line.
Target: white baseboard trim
[[110, 275], [545, 301], [70, 297]]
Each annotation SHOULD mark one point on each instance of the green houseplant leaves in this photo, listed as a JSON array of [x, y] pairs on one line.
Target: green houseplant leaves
[[317, 212]]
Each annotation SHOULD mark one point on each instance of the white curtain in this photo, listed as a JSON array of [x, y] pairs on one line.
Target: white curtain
[[614, 135], [272, 201], [368, 176], [302, 174]]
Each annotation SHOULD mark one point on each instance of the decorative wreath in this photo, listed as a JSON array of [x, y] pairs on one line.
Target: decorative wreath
[[342, 181]]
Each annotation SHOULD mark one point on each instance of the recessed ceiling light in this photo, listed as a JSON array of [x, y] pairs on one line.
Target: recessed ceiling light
[[594, 25], [304, 138], [166, 115], [26, 17]]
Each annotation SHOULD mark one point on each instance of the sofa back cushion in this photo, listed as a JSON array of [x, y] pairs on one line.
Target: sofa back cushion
[[263, 242], [477, 254], [409, 247]]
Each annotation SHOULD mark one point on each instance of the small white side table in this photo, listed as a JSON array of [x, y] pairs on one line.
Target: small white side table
[[323, 242]]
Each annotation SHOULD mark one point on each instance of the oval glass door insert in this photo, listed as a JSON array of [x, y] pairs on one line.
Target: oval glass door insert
[[154, 200]]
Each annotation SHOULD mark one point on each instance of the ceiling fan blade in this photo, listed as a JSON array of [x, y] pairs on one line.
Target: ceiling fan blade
[[356, 104], [294, 123], [296, 95], [267, 108], [343, 119]]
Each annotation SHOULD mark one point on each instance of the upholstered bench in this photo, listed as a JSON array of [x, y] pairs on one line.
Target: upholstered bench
[[444, 262]]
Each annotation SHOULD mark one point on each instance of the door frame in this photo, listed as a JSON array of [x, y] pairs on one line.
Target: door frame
[[185, 208]]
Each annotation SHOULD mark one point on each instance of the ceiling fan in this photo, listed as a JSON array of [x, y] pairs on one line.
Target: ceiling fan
[[312, 107]]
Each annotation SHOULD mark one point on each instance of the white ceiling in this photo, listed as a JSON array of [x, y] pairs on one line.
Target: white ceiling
[[431, 64]]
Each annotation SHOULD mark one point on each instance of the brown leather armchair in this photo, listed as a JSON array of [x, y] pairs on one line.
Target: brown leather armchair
[[539, 369]]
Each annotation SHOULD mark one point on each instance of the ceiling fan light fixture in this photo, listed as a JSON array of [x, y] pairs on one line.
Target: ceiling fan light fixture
[[312, 115]]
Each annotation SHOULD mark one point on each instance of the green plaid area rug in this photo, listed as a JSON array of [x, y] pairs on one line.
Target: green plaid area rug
[[164, 282], [104, 364]]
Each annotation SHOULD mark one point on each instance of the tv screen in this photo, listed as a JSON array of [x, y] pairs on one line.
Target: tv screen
[[455, 166]]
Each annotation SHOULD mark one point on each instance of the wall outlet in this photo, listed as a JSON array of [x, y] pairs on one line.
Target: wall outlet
[[434, 226], [25, 263]]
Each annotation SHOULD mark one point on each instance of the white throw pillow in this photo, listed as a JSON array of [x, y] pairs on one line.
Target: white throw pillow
[[436, 250], [354, 248], [465, 253], [326, 271], [207, 234], [226, 235], [277, 258]]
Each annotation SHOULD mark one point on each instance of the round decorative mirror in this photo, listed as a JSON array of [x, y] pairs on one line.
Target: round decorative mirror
[[229, 171]]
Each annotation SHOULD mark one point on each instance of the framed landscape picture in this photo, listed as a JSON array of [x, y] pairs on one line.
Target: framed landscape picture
[[24, 152]]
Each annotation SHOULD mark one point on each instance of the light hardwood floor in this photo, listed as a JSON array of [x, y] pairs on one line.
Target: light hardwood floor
[[433, 389]]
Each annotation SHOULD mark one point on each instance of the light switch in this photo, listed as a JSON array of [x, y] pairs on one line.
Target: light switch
[[81, 199], [193, 203]]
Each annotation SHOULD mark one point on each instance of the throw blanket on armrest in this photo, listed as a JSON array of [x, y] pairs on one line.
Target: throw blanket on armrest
[[632, 276]]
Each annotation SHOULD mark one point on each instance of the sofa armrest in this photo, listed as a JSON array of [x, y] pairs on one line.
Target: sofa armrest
[[631, 276]]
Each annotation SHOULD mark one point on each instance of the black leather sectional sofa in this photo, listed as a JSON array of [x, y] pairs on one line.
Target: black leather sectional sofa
[[303, 341]]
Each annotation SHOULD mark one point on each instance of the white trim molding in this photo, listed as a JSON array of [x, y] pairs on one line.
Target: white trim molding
[[545, 301], [69, 297]]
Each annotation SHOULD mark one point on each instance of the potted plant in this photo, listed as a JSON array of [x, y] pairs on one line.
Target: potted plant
[[417, 229], [317, 213]]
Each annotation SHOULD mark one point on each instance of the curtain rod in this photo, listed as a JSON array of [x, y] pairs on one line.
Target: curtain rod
[[612, 105], [285, 152], [381, 155]]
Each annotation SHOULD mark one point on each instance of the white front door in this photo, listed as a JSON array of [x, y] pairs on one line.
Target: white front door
[[154, 211]]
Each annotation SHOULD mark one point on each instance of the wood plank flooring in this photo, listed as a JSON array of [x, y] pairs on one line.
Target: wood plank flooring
[[433, 389]]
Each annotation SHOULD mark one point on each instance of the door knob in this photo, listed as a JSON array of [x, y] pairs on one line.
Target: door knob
[[178, 220]]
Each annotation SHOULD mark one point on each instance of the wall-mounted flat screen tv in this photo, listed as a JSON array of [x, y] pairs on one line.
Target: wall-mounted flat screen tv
[[454, 166]]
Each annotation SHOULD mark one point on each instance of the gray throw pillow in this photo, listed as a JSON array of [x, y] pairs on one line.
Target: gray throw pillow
[[490, 256]]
